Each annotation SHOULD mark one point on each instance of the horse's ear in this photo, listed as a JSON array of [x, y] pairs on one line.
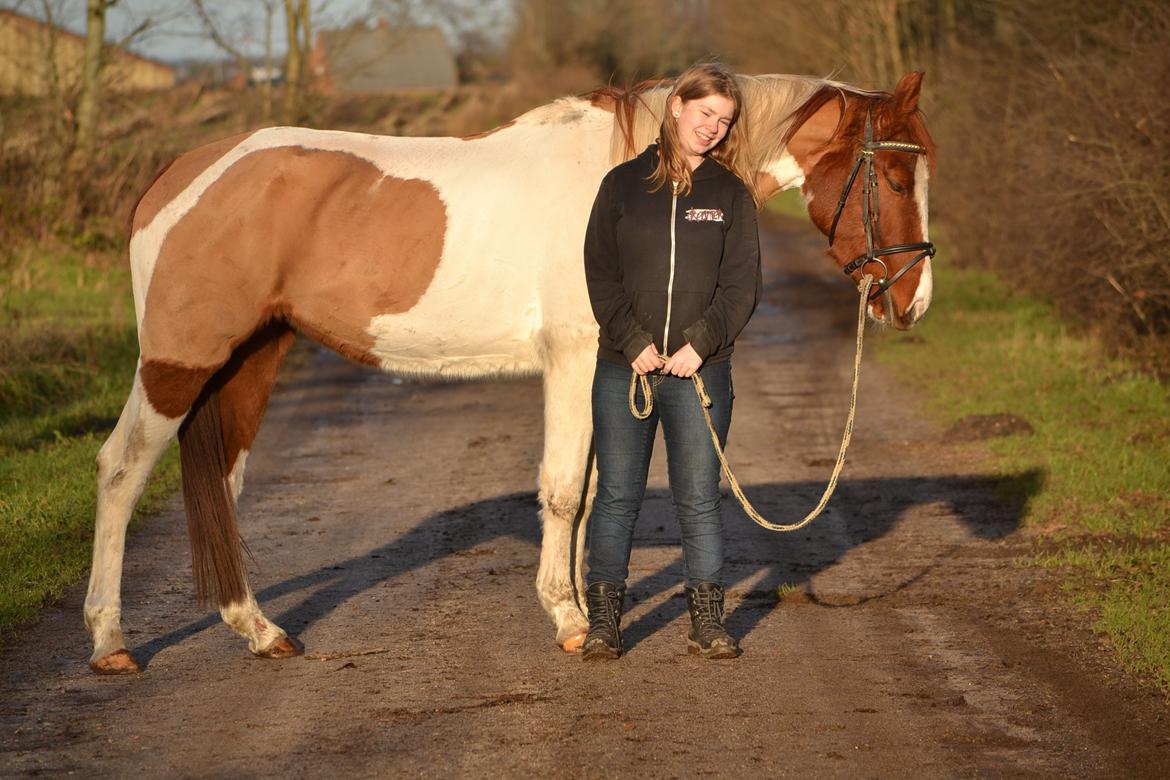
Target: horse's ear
[[906, 93]]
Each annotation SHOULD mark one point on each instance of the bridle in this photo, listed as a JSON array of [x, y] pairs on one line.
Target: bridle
[[869, 213]]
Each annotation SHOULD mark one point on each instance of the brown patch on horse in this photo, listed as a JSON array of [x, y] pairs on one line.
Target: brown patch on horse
[[815, 102], [603, 100], [486, 133], [814, 126], [172, 388], [176, 176], [320, 239]]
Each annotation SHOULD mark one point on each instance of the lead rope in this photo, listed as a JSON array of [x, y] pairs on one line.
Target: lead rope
[[705, 404]]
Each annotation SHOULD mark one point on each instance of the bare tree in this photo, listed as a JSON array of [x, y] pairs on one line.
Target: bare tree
[[215, 22], [91, 84], [211, 26], [269, 14], [620, 40], [297, 25]]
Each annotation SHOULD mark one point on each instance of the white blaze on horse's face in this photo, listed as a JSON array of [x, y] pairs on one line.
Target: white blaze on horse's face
[[925, 291]]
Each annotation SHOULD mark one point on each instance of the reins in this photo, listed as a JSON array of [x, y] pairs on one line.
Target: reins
[[867, 281]]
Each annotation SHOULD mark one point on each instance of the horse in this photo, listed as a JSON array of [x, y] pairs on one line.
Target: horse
[[436, 258]]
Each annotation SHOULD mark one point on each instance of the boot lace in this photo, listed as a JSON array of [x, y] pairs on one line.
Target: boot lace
[[603, 611], [707, 615]]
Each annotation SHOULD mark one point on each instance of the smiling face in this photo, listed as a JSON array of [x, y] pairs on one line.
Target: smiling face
[[702, 123]]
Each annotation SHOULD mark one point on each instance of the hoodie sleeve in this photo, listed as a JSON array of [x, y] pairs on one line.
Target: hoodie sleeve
[[611, 303], [737, 291]]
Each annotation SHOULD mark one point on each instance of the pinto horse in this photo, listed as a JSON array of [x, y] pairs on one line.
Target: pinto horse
[[442, 258]]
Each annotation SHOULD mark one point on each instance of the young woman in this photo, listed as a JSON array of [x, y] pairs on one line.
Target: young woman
[[672, 262]]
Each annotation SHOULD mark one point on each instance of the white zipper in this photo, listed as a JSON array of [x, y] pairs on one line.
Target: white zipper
[[670, 281]]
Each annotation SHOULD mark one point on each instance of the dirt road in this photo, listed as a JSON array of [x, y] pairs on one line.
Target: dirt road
[[395, 526]]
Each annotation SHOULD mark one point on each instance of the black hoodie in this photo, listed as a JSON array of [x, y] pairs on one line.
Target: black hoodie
[[703, 275]]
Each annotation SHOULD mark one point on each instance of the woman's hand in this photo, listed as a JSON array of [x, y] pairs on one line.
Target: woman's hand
[[647, 361], [683, 363]]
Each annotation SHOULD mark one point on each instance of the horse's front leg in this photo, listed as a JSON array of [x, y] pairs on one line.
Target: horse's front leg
[[566, 494]]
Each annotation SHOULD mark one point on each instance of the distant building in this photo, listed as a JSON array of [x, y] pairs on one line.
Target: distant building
[[382, 59], [261, 74], [33, 54]]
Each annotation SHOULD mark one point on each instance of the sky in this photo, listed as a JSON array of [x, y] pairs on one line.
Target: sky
[[177, 34]]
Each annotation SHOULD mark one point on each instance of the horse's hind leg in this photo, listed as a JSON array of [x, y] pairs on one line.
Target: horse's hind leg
[[123, 465], [247, 382], [568, 428]]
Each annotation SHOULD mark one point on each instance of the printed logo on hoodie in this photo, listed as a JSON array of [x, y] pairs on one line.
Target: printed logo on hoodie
[[704, 215]]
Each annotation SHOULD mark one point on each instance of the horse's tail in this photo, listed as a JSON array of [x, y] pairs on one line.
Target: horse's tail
[[217, 561], [213, 440]]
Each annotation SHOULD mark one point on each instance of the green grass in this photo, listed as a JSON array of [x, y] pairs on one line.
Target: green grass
[[1102, 442], [788, 203], [66, 360]]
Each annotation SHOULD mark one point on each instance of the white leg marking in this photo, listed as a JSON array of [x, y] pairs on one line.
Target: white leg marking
[[245, 617], [248, 621], [124, 463], [568, 427]]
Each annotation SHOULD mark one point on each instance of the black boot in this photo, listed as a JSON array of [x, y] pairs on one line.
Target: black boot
[[604, 640], [707, 637]]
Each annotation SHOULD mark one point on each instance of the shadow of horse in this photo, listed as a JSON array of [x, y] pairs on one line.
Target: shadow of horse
[[987, 508]]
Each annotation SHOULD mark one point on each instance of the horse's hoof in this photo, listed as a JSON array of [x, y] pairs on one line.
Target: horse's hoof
[[117, 662], [285, 647], [574, 642]]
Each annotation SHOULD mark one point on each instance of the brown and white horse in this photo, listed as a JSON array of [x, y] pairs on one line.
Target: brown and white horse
[[427, 257]]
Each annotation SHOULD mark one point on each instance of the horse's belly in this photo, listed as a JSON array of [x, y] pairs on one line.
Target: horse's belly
[[458, 339]]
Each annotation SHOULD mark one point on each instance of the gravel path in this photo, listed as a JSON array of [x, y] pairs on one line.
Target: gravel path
[[395, 526]]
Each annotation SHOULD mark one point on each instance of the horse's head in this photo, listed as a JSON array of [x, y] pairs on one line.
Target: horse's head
[[866, 159]]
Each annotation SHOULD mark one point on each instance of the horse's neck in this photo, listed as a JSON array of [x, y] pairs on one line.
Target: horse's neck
[[771, 100]]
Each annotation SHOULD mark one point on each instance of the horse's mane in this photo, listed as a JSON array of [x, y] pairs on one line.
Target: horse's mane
[[776, 107]]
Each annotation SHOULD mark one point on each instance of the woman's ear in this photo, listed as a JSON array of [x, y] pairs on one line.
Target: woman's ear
[[676, 106]]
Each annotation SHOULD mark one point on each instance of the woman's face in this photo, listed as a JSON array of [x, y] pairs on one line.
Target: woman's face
[[702, 122]]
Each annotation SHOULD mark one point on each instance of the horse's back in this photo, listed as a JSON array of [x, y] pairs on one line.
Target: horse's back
[[416, 255]]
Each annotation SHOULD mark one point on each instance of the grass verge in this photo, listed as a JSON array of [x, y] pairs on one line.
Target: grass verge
[[66, 359], [1101, 438]]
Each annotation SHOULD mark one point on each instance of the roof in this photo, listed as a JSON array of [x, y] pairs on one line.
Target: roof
[[29, 21]]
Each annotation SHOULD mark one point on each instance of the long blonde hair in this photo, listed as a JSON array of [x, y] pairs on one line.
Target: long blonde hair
[[696, 82]]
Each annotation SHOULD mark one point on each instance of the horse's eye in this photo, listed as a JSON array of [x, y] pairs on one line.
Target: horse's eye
[[895, 186]]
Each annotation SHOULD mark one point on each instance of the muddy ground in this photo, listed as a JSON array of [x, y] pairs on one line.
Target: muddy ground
[[396, 534]]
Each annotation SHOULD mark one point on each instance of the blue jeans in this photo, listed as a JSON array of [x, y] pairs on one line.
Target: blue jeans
[[624, 444]]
